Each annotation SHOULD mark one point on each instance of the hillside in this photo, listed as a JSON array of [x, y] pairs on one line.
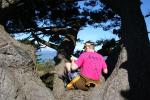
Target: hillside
[[45, 55]]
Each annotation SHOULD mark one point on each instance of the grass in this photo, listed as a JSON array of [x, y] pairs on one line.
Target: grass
[[43, 70]]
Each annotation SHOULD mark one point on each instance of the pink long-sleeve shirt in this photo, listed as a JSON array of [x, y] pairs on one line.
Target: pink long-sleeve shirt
[[91, 65]]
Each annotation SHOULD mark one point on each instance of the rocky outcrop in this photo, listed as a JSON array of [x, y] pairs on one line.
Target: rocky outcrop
[[117, 84], [17, 80], [7, 3], [114, 88]]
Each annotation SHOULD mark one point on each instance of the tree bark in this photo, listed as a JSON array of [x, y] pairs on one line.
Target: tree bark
[[64, 51], [135, 38], [137, 44]]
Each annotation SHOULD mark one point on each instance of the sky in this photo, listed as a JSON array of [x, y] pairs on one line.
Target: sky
[[93, 34], [145, 7], [90, 33]]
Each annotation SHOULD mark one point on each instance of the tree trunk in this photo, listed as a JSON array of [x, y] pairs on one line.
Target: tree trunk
[[137, 44], [135, 38], [65, 49], [116, 83]]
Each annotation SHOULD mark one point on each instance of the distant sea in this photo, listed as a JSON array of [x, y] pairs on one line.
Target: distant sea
[[45, 55]]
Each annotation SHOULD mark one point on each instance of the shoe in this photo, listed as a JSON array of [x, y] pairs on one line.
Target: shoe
[[70, 85]]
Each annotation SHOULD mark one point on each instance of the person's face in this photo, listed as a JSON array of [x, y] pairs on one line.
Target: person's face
[[86, 46]]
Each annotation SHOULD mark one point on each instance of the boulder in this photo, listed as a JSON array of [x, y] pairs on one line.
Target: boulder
[[17, 78]]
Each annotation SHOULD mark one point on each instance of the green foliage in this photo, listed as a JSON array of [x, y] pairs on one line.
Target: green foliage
[[57, 23], [28, 41], [46, 66], [43, 70], [108, 46], [148, 15], [38, 59], [56, 19], [77, 53]]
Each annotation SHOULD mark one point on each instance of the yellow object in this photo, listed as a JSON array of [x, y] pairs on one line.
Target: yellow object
[[70, 85], [90, 84]]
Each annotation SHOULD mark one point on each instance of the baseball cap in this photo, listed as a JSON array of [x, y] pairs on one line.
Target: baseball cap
[[88, 43]]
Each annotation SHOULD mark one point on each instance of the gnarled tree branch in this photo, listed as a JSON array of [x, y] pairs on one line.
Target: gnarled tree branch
[[44, 42]]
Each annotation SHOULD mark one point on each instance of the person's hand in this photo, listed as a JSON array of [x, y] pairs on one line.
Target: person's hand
[[105, 70], [73, 58]]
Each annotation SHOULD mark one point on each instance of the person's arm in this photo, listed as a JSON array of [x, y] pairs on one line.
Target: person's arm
[[77, 62], [73, 64], [105, 70]]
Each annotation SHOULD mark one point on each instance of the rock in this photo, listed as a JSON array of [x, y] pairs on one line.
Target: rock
[[116, 84], [58, 85], [114, 88], [17, 80]]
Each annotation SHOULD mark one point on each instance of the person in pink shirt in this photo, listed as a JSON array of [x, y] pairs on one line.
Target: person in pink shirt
[[90, 64]]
